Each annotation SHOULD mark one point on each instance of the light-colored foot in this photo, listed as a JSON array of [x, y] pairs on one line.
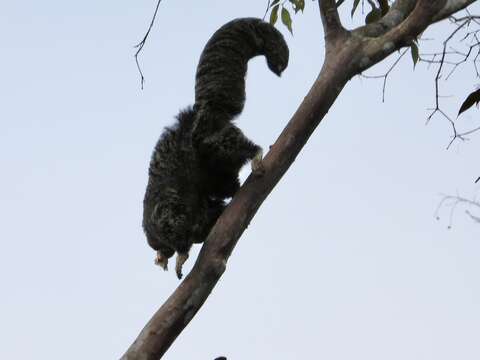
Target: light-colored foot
[[257, 163], [161, 261], [181, 258]]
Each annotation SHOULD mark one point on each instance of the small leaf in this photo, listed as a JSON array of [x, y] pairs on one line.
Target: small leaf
[[287, 20], [294, 5], [384, 7], [274, 2], [298, 5], [274, 15], [373, 16], [473, 98], [301, 4], [355, 4], [414, 52]]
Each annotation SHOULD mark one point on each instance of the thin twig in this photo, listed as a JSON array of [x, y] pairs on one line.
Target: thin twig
[[453, 201], [140, 45], [442, 61], [266, 10], [385, 76], [473, 217]]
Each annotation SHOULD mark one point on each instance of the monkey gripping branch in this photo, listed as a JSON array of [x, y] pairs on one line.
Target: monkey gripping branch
[[347, 53]]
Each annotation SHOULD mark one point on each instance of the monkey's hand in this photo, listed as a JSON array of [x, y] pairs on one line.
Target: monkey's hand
[[161, 260], [257, 164], [181, 258]]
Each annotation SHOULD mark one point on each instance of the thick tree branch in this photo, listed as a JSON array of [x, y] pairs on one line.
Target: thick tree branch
[[376, 49], [416, 22], [332, 25], [451, 7], [398, 12]]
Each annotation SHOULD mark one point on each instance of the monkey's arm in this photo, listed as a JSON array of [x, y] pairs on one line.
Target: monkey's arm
[[228, 148]]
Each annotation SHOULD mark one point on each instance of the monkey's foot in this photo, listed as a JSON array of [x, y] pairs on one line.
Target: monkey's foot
[[257, 163], [161, 260], [181, 258]]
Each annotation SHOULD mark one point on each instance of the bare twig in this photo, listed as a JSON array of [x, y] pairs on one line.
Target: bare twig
[[440, 58], [385, 76], [439, 74], [141, 44], [266, 10], [473, 217], [453, 201]]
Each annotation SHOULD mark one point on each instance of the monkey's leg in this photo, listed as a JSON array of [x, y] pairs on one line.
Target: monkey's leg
[[154, 238], [173, 226], [257, 163], [161, 260], [181, 258], [182, 242], [230, 148], [214, 210], [206, 218]]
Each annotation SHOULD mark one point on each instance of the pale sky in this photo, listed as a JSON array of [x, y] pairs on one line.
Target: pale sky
[[344, 260]]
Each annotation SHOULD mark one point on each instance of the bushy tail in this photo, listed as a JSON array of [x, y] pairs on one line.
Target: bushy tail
[[220, 79]]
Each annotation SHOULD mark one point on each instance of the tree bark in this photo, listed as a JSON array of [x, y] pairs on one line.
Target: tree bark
[[347, 54]]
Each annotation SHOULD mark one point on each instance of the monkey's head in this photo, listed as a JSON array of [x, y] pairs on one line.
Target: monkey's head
[[274, 47]]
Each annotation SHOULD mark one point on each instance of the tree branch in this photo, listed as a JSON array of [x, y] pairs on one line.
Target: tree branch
[[451, 7], [141, 44], [332, 25], [454, 201], [378, 48], [397, 13], [416, 22], [387, 73], [400, 10]]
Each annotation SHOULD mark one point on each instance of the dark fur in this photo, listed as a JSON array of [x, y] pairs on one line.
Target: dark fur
[[177, 212], [220, 97], [195, 164]]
